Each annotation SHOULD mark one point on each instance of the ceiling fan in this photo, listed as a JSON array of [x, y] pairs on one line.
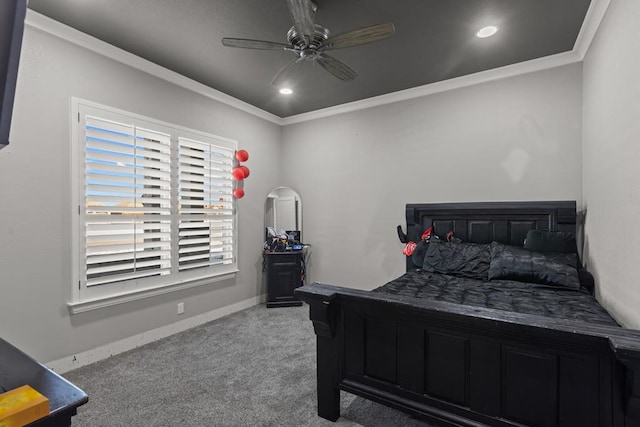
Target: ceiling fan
[[311, 41]]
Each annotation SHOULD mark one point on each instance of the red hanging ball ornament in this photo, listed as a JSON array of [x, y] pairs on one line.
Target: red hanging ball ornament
[[245, 170], [242, 155], [237, 173], [238, 193]]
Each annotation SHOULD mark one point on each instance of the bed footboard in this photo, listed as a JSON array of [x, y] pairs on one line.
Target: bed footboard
[[467, 366]]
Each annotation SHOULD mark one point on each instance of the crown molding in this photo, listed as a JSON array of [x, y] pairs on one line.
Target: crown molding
[[520, 68], [592, 21], [593, 18], [50, 26]]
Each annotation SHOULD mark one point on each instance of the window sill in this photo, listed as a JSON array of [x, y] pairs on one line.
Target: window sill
[[98, 303]]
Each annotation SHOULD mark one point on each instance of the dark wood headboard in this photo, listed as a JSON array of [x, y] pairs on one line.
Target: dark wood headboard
[[485, 222]]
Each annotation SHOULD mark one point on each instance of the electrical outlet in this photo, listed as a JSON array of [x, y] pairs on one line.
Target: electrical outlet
[[180, 307]]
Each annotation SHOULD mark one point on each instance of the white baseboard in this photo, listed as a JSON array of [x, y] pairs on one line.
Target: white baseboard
[[88, 357]]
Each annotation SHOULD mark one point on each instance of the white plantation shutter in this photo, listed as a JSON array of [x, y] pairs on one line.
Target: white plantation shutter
[[155, 207], [205, 214], [127, 202]]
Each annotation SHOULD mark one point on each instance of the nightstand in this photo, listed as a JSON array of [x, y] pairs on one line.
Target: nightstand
[[284, 274]]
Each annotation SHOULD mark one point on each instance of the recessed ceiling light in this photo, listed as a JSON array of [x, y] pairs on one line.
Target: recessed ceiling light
[[487, 31], [286, 91]]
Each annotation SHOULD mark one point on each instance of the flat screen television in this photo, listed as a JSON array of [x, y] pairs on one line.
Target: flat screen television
[[12, 14]]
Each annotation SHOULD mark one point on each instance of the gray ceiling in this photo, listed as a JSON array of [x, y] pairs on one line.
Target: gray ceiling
[[434, 41]]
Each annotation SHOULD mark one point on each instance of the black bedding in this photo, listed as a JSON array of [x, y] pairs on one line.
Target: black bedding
[[528, 298]]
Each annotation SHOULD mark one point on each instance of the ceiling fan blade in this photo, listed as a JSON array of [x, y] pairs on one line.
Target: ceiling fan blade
[[287, 71], [303, 16], [336, 67], [255, 44], [360, 36]]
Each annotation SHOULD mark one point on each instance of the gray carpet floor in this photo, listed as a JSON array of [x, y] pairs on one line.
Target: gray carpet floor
[[252, 368]]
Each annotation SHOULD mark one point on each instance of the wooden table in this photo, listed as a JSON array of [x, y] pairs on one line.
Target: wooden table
[[17, 368]]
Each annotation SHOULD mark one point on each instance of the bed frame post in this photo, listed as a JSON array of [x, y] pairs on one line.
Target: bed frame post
[[324, 316], [628, 352], [633, 402], [328, 392]]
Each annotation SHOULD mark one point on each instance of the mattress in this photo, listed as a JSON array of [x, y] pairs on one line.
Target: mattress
[[519, 297]]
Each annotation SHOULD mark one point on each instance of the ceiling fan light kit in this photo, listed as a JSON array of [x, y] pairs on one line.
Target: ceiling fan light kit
[[310, 42]]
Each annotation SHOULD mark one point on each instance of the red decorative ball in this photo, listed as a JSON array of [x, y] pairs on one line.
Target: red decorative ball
[[242, 155], [237, 173], [238, 193], [245, 170]]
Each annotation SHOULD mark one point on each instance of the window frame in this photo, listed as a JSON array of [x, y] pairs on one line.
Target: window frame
[[85, 298]]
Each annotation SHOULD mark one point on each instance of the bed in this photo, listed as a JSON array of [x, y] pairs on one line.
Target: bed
[[453, 356]]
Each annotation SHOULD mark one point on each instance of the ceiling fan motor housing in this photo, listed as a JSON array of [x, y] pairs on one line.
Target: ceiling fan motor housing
[[300, 43]]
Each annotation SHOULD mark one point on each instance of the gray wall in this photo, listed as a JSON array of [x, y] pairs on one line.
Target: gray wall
[[611, 150], [513, 139], [35, 186]]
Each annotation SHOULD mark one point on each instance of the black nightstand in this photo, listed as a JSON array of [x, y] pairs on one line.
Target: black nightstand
[[284, 274]]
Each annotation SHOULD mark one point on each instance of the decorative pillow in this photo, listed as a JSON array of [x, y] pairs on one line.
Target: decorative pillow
[[523, 265], [551, 241], [459, 259]]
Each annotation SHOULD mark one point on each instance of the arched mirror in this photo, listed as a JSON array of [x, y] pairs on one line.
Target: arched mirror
[[283, 211]]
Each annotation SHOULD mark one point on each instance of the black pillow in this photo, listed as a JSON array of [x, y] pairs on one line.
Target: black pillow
[[551, 241], [419, 252], [459, 259], [523, 265]]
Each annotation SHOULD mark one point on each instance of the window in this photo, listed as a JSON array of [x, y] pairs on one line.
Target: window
[[155, 209], [205, 220]]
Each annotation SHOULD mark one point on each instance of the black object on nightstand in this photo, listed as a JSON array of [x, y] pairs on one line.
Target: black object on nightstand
[[284, 274]]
